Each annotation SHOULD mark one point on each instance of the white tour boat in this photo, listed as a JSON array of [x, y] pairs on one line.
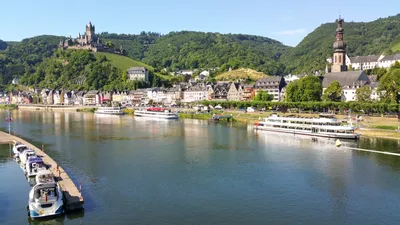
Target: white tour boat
[[45, 198], [320, 127], [159, 113], [34, 166], [25, 155], [18, 148], [110, 110]]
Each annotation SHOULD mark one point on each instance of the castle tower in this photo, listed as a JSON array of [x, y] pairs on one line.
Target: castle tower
[[90, 32], [339, 53]]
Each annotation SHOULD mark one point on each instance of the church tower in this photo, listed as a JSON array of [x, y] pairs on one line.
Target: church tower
[[339, 53]]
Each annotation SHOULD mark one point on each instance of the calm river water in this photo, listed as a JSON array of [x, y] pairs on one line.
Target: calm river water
[[138, 171]]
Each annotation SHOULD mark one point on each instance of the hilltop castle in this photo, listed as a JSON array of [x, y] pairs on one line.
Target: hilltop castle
[[89, 41]]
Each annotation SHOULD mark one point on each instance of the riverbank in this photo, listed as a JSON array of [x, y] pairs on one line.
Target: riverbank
[[379, 127]]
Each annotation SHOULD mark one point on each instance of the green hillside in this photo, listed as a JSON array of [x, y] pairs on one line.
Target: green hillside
[[190, 50], [396, 48], [122, 62], [362, 38]]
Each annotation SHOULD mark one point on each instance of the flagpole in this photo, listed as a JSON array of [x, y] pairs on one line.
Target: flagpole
[[9, 122]]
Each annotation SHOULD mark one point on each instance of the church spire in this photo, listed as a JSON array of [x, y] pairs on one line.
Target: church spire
[[339, 47]]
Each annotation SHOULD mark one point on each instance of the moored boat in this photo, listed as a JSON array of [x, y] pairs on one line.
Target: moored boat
[[319, 127], [25, 155], [160, 113], [45, 198], [110, 110], [34, 166], [18, 148]]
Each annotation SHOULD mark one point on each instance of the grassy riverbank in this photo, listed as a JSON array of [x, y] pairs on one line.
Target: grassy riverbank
[[128, 111], [91, 110], [10, 106]]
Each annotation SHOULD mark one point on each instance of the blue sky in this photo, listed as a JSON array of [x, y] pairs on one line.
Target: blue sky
[[283, 20]]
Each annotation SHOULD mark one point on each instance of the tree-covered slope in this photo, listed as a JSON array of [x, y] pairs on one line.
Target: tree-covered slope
[[3, 45], [22, 57], [362, 38], [189, 50]]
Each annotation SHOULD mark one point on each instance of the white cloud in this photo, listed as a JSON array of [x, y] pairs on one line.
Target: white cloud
[[291, 32]]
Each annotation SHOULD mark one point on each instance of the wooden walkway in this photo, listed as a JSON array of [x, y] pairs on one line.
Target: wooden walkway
[[72, 196]]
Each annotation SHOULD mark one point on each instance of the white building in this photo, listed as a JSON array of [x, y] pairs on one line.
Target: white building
[[195, 94], [372, 61], [273, 85], [205, 73], [290, 78], [15, 81], [138, 73]]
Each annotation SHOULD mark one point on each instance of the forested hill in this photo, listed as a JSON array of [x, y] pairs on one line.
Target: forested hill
[[374, 37], [189, 50], [3, 45], [19, 58]]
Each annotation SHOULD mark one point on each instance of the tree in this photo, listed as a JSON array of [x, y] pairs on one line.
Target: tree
[[389, 86], [263, 96], [292, 92], [306, 89], [363, 94], [333, 92], [109, 44], [311, 89]]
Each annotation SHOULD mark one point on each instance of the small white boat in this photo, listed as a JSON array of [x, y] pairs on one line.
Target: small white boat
[[25, 155], [45, 198], [110, 110], [319, 127], [338, 143], [18, 148], [159, 113], [34, 166]]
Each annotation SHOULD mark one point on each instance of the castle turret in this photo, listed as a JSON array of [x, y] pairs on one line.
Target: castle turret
[[339, 53], [90, 32]]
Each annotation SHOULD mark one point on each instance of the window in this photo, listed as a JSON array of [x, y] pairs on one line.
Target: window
[[340, 58], [335, 59]]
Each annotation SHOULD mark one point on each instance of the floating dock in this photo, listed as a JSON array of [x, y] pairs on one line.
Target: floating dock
[[219, 117], [72, 196]]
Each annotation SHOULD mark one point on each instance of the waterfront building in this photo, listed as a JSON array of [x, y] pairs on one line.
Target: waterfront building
[[220, 91], [195, 93], [78, 96], [248, 93], [138, 73], [69, 98], [273, 85], [91, 98], [173, 95], [235, 92]]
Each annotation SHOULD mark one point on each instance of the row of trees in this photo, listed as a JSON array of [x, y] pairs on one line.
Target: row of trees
[[364, 107]]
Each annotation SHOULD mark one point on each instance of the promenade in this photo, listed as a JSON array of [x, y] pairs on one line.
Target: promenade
[[72, 196]]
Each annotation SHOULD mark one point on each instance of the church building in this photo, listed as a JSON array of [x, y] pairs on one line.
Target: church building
[[349, 80]]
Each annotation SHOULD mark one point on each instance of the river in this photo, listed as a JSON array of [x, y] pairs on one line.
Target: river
[[141, 171]]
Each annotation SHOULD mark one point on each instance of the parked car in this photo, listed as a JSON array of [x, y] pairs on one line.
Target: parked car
[[218, 107], [250, 109]]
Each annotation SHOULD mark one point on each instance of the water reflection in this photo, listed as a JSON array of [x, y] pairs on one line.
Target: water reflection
[[192, 171]]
